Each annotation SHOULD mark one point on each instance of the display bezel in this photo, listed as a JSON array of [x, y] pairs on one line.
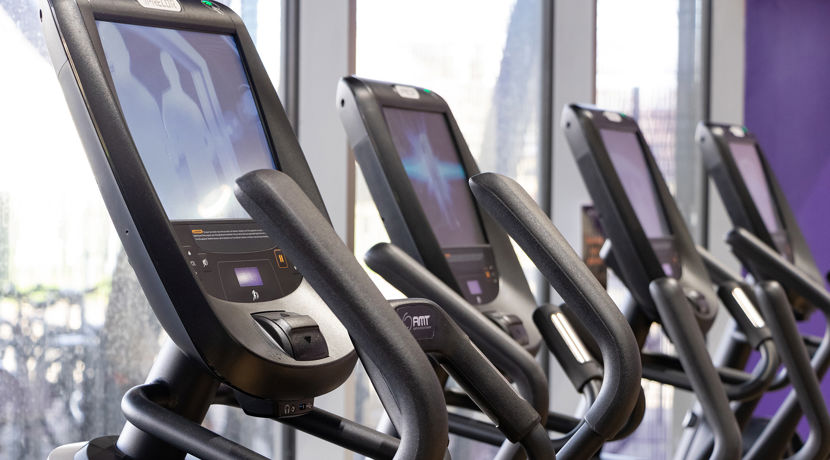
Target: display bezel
[[633, 254], [714, 140], [739, 202], [619, 196], [407, 230], [776, 208]]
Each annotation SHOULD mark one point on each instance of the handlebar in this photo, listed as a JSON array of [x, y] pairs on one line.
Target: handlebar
[[676, 316], [528, 225], [409, 390], [767, 265]]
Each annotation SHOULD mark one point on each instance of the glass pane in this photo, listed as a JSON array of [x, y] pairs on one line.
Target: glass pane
[[485, 61], [263, 19], [75, 329], [648, 66]]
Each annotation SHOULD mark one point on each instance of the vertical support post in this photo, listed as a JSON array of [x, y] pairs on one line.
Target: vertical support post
[[290, 94], [546, 149], [689, 172], [289, 81]]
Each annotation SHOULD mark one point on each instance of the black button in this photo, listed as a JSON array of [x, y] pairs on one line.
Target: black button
[[298, 335], [511, 324]]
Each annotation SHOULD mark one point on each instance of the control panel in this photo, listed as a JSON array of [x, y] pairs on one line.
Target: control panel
[[236, 261], [474, 269]]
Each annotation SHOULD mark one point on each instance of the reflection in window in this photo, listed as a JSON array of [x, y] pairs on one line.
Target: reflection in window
[[485, 61], [648, 66], [75, 329]]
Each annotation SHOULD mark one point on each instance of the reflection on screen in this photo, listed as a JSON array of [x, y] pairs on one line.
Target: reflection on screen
[[431, 161], [630, 163], [189, 108], [749, 164]]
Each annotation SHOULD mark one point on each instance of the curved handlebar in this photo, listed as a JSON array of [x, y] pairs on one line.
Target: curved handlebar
[[740, 302], [767, 264], [676, 316], [409, 390], [519, 215], [773, 302]]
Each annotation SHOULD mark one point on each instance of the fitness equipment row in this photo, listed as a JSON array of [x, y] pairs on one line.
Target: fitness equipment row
[[266, 308]]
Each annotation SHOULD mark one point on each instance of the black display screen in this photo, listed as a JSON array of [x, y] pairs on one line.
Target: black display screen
[[629, 161], [188, 104], [749, 164], [432, 163]]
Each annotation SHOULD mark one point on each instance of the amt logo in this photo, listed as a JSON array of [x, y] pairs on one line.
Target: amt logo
[[419, 321]]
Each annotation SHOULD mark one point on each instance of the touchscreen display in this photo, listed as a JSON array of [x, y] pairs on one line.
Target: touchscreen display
[[188, 104], [630, 163], [749, 164], [430, 158]]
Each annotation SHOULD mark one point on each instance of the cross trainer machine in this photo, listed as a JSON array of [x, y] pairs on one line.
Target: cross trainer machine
[[653, 253], [770, 245], [417, 165], [173, 105]]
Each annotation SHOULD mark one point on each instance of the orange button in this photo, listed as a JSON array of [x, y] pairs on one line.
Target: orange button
[[280, 257]]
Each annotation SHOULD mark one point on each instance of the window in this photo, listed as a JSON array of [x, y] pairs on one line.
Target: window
[[485, 61], [648, 65], [75, 329], [263, 19]]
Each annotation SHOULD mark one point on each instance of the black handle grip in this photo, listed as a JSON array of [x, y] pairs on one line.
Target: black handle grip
[[676, 317], [776, 308], [414, 280], [740, 302], [567, 346], [727, 279], [766, 264], [580, 373], [509, 204], [440, 337], [409, 390]]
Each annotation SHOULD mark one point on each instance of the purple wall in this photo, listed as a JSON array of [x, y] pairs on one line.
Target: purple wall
[[788, 108]]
